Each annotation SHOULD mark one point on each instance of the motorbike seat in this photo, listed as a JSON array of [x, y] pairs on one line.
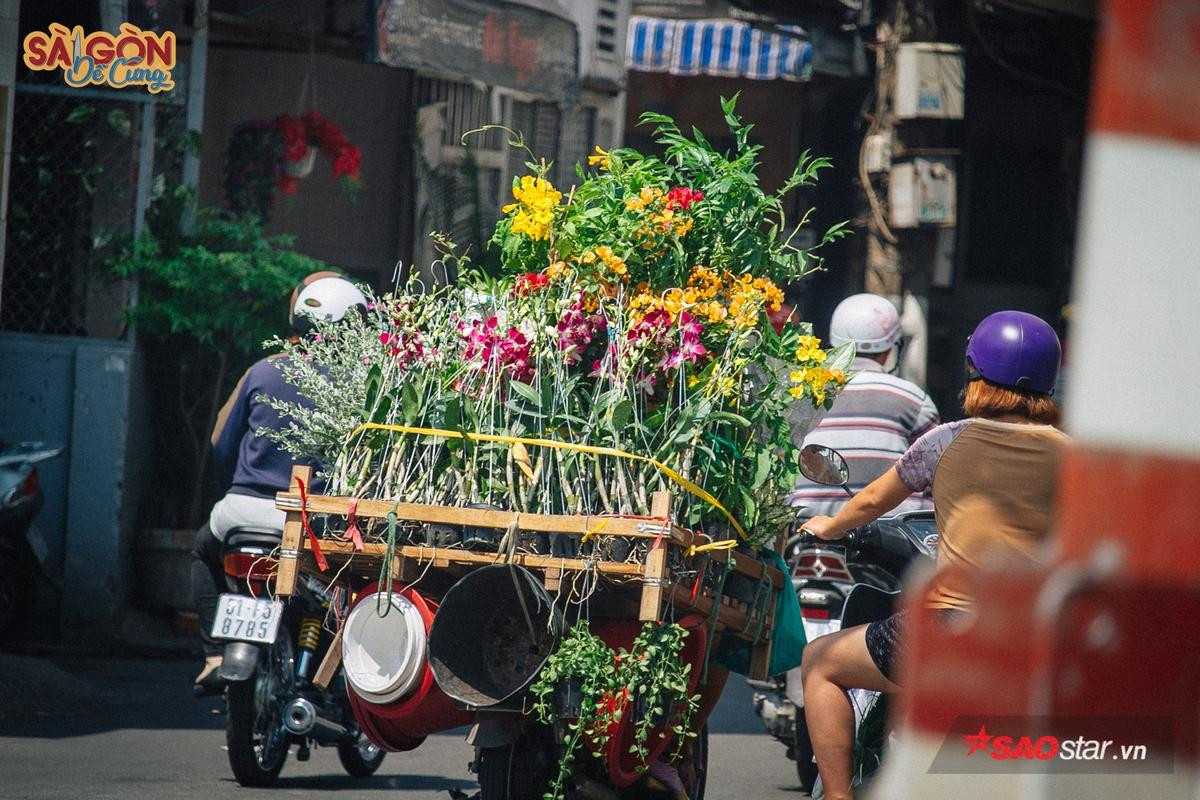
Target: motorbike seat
[[252, 537]]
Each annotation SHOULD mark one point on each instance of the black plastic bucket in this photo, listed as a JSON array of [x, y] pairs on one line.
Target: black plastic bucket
[[492, 633]]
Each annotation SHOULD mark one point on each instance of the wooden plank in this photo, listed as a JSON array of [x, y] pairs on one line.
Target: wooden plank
[[478, 517], [748, 565], [760, 661], [444, 556], [403, 569], [745, 564], [330, 663], [293, 531], [760, 656], [655, 576], [728, 618]]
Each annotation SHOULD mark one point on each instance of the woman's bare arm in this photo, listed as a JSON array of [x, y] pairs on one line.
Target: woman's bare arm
[[880, 496]]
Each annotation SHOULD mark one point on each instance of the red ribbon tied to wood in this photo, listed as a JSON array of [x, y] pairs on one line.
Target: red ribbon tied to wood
[[352, 524], [322, 562]]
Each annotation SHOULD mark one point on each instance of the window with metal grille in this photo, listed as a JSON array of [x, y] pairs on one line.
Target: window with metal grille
[[575, 144], [606, 28], [466, 187]]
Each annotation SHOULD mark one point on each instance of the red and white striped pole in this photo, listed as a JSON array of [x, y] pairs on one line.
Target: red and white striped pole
[[1112, 630]]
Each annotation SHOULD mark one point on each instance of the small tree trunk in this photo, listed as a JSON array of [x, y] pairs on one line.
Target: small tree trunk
[[201, 459]]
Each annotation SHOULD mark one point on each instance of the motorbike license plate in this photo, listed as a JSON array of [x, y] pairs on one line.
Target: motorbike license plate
[[819, 627], [247, 619]]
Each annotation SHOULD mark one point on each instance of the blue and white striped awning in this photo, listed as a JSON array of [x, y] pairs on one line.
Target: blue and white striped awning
[[718, 47]]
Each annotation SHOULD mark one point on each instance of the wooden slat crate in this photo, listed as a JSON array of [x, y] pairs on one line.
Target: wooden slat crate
[[651, 583]]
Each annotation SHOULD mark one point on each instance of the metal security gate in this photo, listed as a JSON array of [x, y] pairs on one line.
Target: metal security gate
[[82, 176]]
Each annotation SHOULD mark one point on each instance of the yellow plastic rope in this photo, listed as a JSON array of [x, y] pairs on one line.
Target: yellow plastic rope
[[689, 486], [593, 532], [723, 544]]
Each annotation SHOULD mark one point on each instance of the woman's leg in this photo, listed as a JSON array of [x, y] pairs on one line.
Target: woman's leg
[[832, 664], [208, 578]]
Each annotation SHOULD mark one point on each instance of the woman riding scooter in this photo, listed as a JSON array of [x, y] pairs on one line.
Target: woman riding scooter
[[992, 477]]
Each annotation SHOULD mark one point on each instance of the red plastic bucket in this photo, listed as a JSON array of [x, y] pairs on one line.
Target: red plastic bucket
[[622, 764], [404, 723]]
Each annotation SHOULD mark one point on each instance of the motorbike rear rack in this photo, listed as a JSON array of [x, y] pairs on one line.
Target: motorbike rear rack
[[651, 584]]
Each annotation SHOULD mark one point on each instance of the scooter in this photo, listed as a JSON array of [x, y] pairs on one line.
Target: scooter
[[22, 549], [271, 655], [868, 561]]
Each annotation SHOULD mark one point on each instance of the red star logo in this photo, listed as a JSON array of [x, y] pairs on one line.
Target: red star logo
[[978, 741]]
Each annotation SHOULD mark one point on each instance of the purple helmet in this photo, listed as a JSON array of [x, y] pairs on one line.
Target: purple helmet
[[1016, 350]]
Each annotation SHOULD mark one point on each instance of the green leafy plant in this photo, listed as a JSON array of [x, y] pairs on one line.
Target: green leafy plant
[[694, 206], [648, 681], [584, 665], [207, 301], [656, 680]]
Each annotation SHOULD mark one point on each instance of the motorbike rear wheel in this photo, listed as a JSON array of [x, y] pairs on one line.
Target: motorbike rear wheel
[[361, 757], [18, 591], [517, 771], [257, 740], [700, 764], [806, 768]]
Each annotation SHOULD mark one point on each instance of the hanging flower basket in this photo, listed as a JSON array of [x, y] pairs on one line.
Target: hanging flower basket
[[310, 132], [265, 157], [303, 167]]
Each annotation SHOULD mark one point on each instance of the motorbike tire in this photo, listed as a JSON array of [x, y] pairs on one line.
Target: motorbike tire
[[700, 757], [517, 771], [18, 590], [255, 737], [361, 757], [806, 768]]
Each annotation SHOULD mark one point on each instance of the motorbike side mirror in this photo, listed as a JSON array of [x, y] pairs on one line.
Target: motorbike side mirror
[[824, 465]]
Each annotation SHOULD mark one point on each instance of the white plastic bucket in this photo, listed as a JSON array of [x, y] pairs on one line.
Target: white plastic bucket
[[383, 657]]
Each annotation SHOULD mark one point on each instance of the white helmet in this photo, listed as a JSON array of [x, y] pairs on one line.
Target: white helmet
[[325, 296], [868, 320]]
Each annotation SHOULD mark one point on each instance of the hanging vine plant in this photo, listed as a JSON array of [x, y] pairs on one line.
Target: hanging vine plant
[[251, 163], [589, 688], [580, 674]]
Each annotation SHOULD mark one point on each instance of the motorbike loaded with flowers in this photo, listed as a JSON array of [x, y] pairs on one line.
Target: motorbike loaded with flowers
[[556, 496]]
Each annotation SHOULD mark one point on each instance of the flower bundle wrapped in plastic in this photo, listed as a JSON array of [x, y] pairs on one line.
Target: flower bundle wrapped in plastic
[[628, 351]]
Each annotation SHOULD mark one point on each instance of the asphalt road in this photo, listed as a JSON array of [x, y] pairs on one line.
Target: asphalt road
[[100, 728]]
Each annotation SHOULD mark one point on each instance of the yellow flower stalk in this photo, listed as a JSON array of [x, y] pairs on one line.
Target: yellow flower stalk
[[599, 159], [536, 201]]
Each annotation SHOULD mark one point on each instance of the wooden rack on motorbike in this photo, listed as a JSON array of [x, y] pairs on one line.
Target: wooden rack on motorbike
[[650, 585]]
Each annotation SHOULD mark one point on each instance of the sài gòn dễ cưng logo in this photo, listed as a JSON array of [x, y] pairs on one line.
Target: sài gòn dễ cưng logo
[[132, 57]]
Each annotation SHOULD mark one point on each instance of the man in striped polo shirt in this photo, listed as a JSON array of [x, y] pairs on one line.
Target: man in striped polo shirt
[[877, 415]]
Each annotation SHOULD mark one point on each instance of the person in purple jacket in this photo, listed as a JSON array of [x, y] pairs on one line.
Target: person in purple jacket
[[252, 468]]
